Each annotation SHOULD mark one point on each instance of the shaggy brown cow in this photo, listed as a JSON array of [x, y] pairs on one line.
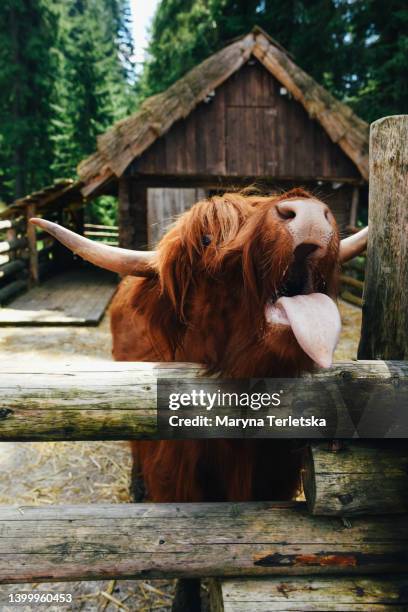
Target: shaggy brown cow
[[244, 285]]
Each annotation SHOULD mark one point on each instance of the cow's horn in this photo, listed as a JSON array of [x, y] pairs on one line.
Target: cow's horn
[[353, 245], [122, 261]]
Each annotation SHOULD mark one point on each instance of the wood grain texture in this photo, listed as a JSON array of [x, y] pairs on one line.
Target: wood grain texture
[[53, 543], [163, 207], [314, 594], [247, 128], [385, 308], [360, 478], [103, 400]]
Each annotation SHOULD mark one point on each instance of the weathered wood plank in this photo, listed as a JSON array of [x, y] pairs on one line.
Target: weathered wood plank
[[314, 594], [105, 400], [211, 539], [359, 478], [6, 224], [11, 268], [163, 207], [93, 226], [76, 297], [12, 245], [10, 290], [385, 308]]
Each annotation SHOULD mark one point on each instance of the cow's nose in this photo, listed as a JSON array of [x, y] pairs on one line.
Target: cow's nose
[[309, 222]]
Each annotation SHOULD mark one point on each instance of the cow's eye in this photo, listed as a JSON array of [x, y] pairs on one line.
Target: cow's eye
[[206, 240]]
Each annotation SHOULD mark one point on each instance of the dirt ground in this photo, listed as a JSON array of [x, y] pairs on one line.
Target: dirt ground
[[88, 472]]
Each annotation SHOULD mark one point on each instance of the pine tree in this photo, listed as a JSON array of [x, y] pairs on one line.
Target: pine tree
[[65, 76], [27, 37], [94, 88]]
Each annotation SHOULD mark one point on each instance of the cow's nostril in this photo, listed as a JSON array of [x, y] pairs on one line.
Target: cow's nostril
[[304, 250]]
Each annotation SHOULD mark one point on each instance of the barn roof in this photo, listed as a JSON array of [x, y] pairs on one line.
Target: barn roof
[[129, 138], [60, 194]]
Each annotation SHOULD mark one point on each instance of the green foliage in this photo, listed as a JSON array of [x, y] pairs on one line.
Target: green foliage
[[357, 50], [27, 33], [102, 210], [93, 89], [65, 77]]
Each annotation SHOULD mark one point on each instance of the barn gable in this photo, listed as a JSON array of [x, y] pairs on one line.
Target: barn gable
[[333, 125], [250, 126]]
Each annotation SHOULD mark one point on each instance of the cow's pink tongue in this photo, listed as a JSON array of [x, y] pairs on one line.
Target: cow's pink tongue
[[315, 322]]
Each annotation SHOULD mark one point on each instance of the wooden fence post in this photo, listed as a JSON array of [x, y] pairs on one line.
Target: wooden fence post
[[32, 246], [384, 332], [132, 214]]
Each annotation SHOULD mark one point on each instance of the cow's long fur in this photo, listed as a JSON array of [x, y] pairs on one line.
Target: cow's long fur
[[217, 267]]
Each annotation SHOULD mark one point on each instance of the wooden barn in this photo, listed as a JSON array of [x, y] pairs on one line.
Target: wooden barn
[[247, 114]]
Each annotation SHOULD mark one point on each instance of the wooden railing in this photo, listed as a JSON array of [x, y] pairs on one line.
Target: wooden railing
[[13, 258], [106, 401], [128, 541], [109, 234]]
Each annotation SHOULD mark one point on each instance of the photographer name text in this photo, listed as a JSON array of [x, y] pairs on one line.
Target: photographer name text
[[244, 423]]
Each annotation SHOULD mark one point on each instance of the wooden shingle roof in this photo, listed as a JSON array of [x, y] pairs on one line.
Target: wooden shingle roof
[[129, 138]]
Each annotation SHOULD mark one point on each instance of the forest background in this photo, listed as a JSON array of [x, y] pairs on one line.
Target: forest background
[[68, 70]]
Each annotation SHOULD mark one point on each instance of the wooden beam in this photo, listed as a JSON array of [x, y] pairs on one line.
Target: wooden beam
[[132, 214], [100, 542], [354, 206], [232, 181], [310, 594], [6, 224], [9, 291], [358, 478], [111, 228], [353, 282], [33, 272], [385, 309], [12, 245], [351, 298], [12, 267], [104, 400]]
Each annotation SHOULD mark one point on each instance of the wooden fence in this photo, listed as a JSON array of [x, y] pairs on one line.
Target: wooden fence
[[109, 234], [28, 256], [13, 258], [94, 542]]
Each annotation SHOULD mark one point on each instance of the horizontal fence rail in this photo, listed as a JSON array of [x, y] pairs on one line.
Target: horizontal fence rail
[[100, 542], [118, 400]]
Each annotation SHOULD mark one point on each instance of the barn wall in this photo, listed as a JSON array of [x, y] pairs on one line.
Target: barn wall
[[250, 127], [164, 205]]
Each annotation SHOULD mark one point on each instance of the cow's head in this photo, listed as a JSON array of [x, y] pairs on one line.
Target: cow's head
[[240, 280]]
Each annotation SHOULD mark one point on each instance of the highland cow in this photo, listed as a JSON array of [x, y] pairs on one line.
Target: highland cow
[[246, 286]]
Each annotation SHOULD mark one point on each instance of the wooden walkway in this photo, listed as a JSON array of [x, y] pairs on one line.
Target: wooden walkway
[[76, 297]]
